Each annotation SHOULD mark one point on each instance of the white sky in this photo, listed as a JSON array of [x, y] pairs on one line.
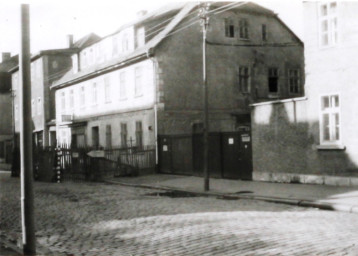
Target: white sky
[[51, 21]]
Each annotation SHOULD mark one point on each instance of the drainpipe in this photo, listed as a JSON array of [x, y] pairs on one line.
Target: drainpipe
[[149, 54]]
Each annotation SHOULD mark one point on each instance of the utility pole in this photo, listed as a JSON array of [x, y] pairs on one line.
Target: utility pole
[[27, 193], [203, 14]]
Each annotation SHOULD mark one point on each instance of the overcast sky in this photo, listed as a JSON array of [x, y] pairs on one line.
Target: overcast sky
[[51, 21]]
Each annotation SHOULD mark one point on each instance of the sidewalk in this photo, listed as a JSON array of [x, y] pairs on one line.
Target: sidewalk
[[319, 196]]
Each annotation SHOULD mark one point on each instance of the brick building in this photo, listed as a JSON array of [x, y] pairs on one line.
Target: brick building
[[46, 67], [143, 83], [314, 138]]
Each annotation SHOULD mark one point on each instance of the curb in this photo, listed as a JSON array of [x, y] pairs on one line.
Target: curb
[[278, 200]]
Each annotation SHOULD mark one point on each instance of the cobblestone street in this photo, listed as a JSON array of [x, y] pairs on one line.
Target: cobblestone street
[[101, 219]]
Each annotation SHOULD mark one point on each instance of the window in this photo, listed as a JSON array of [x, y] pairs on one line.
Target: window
[[95, 137], [94, 94], [72, 101], [83, 59], [244, 29], [63, 101], [107, 89], [39, 107], [122, 85], [124, 135], [330, 119], [294, 81], [115, 45], [273, 80], [244, 79], [264, 32], [328, 29], [139, 134], [125, 42], [140, 37], [229, 28], [138, 81], [82, 97], [32, 107], [108, 136]]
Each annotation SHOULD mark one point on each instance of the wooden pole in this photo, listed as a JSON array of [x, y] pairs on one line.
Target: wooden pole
[[205, 23], [27, 194]]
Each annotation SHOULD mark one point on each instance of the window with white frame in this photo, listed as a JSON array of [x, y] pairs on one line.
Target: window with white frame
[[138, 87], [244, 79], [294, 81], [330, 119], [328, 29], [140, 37], [125, 42], [244, 29], [72, 100], [39, 107], [115, 45], [122, 86], [94, 94], [107, 90], [229, 28], [82, 97]]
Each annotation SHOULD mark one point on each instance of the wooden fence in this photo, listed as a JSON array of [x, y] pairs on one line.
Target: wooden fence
[[87, 164]]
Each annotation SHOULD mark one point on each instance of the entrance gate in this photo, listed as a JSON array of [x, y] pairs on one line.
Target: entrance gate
[[230, 155]]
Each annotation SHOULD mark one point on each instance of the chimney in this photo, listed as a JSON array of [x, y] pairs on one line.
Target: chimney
[[69, 41], [141, 13], [5, 56]]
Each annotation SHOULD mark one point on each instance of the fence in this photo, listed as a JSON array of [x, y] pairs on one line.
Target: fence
[[88, 164]]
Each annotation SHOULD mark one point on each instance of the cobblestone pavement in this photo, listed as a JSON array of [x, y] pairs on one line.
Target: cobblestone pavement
[[101, 219]]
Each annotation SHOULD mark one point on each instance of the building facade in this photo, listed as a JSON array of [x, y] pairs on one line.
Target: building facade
[[312, 139], [145, 80], [46, 67], [6, 117]]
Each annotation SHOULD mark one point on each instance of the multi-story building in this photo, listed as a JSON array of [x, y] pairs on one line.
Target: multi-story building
[[6, 121], [46, 67], [314, 138], [144, 81]]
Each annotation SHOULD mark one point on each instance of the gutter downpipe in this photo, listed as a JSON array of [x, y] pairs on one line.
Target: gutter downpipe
[[149, 56]]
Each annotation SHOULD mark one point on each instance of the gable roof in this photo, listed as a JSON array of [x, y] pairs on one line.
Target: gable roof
[[137, 54], [77, 46], [86, 41], [7, 65], [179, 11]]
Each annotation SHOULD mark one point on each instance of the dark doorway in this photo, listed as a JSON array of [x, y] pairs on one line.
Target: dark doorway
[[229, 155], [95, 137], [236, 156]]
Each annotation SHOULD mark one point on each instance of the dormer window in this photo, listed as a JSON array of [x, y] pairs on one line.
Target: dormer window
[[115, 45], [140, 37], [125, 43]]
